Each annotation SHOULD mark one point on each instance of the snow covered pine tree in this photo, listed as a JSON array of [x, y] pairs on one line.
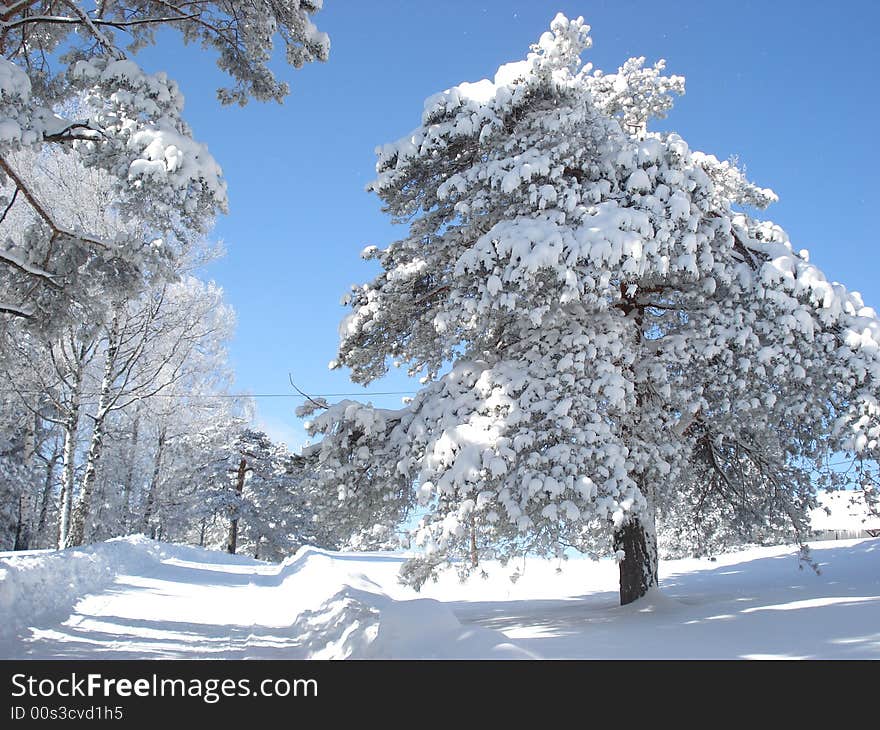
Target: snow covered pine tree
[[627, 345]]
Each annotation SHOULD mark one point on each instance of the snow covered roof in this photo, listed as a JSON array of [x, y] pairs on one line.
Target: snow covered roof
[[843, 510]]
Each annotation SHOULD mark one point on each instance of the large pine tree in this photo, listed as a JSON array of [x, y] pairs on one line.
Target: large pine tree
[[608, 337]]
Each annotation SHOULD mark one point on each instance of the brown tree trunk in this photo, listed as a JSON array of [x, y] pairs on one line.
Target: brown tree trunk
[[638, 569], [636, 538], [232, 541], [475, 558]]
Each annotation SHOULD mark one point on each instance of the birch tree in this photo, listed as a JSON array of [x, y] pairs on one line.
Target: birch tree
[[165, 339]]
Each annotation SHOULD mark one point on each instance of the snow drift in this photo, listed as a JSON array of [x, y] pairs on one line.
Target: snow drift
[[134, 598], [44, 584], [309, 606]]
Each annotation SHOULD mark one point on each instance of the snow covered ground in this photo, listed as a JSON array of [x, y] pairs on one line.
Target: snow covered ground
[[843, 513], [134, 598]]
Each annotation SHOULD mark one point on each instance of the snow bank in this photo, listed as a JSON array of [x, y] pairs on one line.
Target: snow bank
[[39, 585], [356, 624], [354, 618], [137, 599], [175, 601]]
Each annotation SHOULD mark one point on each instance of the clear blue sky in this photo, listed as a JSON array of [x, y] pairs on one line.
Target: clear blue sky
[[789, 87]]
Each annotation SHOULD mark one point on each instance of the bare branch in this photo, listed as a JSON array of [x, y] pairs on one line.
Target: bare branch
[[40, 209], [102, 39], [22, 266], [9, 207], [92, 24], [16, 311], [304, 395]]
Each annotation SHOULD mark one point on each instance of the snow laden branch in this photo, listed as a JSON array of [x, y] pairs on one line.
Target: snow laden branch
[[637, 363], [360, 495], [68, 80], [242, 33]]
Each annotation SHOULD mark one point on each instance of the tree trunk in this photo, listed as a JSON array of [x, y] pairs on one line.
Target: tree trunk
[[475, 558], [638, 569], [47, 490], [30, 441], [150, 505], [77, 533], [232, 541], [23, 521], [98, 530], [637, 538], [129, 474], [69, 472], [22, 532]]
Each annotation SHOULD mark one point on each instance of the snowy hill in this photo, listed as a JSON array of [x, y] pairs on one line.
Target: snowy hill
[[135, 598]]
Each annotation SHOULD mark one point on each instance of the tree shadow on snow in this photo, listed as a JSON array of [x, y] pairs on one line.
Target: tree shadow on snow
[[118, 637], [764, 607]]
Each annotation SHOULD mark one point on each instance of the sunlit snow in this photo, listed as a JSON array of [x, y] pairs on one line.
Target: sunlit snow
[[134, 598]]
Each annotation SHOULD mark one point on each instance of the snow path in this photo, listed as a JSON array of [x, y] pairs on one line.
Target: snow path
[[180, 602], [177, 602], [181, 607]]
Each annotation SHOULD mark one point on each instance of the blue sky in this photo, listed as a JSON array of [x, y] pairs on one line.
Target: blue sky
[[788, 87]]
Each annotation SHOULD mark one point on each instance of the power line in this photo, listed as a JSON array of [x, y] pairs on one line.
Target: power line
[[232, 395], [285, 395]]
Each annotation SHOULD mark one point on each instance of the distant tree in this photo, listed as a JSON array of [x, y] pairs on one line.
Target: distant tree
[[16, 476], [103, 380], [165, 338], [185, 453], [68, 80], [627, 342], [256, 487], [359, 496]]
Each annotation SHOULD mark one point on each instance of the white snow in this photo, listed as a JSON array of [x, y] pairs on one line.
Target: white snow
[[134, 598], [843, 510], [14, 82]]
